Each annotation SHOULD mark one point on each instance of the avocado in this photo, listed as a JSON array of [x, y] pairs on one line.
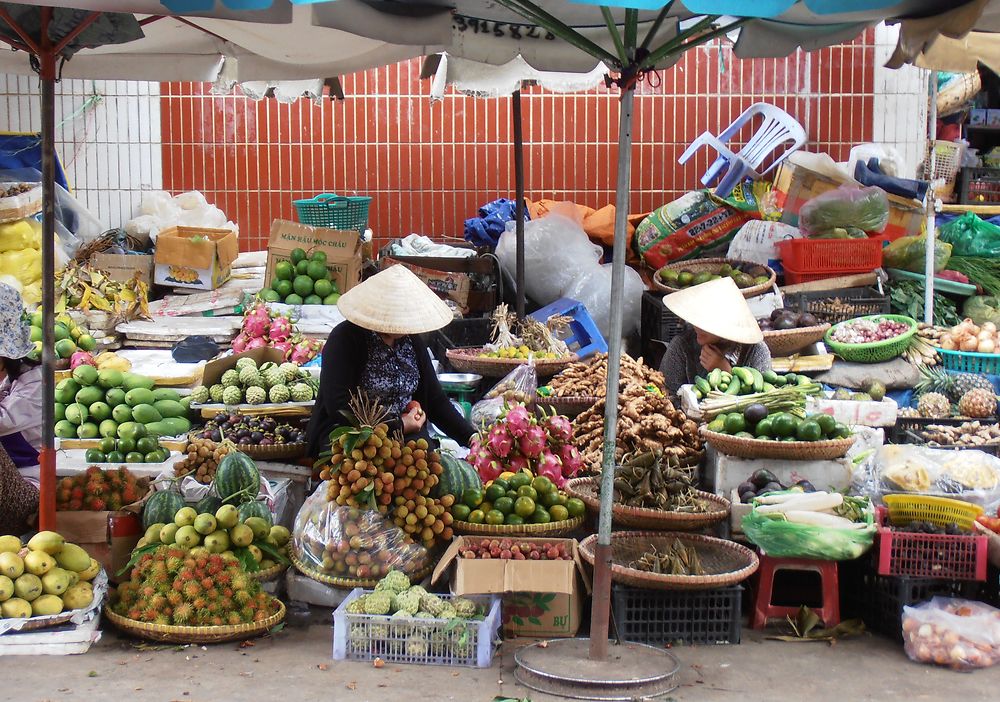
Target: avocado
[[841, 394], [806, 486], [808, 320], [776, 312], [873, 388], [785, 322], [773, 486], [745, 486], [754, 413], [762, 477]]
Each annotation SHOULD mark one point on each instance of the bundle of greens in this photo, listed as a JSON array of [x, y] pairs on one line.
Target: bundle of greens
[[982, 271], [907, 297]]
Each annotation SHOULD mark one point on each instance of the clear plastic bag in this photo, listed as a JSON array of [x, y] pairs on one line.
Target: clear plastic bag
[[593, 289], [981, 309], [519, 386], [907, 254], [845, 212], [352, 544], [959, 634], [793, 540]]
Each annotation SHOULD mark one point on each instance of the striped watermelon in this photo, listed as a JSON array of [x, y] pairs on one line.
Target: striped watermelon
[[456, 477], [256, 509], [208, 505], [161, 507], [237, 473]]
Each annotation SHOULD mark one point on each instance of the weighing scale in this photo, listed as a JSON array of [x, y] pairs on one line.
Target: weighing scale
[[460, 387]]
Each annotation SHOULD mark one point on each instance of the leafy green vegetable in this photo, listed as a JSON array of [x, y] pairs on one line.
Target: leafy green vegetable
[[984, 271], [907, 297]]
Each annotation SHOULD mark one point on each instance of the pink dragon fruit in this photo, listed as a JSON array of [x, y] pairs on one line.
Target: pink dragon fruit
[[81, 358], [256, 343], [487, 466], [256, 322], [533, 442], [572, 461], [559, 428], [551, 467], [280, 329], [285, 347], [304, 351], [499, 441], [518, 420], [517, 463]]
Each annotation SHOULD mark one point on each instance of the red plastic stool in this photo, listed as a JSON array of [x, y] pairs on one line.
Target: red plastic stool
[[763, 609]]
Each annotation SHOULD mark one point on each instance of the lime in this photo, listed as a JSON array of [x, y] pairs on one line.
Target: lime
[[323, 288], [519, 479], [283, 288], [549, 497], [505, 505], [301, 268], [502, 483], [36, 334], [541, 516], [312, 300], [575, 507], [302, 285], [461, 512], [86, 342], [95, 456], [827, 423], [316, 270], [735, 423], [542, 484], [494, 516], [293, 299], [809, 430], [331, 299], [512, 494], [558, 513], [765, 428], [841, 431], [486, 506], [270, 295], [494, 492], [515, 520], [107, 444], [127, 445], [297, 255], [524, 507], [284, 270], [61, 332], [783, 425], [146, 444], [718, 425], [116, 457], [472, 497], [319, 256], [527, 491]]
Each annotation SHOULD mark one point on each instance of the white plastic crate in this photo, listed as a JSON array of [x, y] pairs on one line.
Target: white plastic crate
[[364, 637]]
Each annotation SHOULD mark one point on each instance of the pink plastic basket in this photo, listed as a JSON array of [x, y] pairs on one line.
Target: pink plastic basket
[[913, 555]]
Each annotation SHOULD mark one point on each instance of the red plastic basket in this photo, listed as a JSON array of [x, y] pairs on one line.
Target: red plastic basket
[[794, 277], [838, 256], [912, 555]]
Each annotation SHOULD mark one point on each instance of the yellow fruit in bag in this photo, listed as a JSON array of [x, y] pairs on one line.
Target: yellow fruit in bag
[[32, 294], [24, 264], [22, 234]]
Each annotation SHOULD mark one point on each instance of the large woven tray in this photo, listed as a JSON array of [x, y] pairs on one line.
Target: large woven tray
[[787, 342], [568, 406], [269, 573], [727, 563], [588, 490], [468, 360], [712, 264], [789, 450], [195, 634], [566, 526], [334, 581]]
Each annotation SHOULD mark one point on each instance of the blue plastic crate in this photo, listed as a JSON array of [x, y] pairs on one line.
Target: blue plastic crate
[[585, 338]]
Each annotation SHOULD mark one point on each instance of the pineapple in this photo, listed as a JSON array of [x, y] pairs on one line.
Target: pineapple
[[953, 385], [934, 405], [978, 403]]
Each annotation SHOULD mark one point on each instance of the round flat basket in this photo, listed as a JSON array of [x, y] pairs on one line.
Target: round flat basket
[[271, 573], [195, 634], [725, 562], [273, 452], [568, 406], [333, 580], [712, 265], [566, 526], [791, 450], [787, 342], [469, 360], [588, 490], [877, 351]]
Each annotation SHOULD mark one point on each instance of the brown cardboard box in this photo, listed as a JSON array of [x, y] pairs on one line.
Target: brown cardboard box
[[451, 277], [123, 267], [446, 285], [342, 248], [194, 257], [214, 369], [541, 598]]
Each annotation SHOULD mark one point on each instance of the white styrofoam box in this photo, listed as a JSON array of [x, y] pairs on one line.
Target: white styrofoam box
[[72, 461], [723, 473], [689, 402], [64, 640], [855, 413], [304, 589], [737, 511]]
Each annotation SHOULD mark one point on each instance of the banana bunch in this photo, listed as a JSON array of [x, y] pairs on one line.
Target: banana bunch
[[747, 381], [79, 286], [112, 361]]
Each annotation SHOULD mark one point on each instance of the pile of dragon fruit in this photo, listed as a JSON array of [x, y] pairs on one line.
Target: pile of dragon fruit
[[518, 440], [262, 328]]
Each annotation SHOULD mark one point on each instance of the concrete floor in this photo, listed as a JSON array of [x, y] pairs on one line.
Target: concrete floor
[[296, 664]]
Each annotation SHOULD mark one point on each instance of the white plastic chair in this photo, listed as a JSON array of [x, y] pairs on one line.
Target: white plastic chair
[[777, 128]]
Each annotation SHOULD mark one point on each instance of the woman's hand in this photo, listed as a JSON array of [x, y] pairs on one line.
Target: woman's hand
[[413, 418], [711, 358]]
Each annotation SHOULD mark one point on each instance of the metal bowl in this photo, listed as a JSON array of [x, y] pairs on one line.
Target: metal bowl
[[457, 382]]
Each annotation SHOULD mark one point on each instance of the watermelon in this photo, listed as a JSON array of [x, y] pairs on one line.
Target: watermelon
[[237, 473], [208, 505], [161, 507], [256, 509], [457, 476]]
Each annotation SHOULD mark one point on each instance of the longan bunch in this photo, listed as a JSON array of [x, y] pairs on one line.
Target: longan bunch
[[203, 458], [357, 475], [426, 519]]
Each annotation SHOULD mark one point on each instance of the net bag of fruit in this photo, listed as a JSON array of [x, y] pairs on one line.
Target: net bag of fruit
[[960, 634], [337, 541], [517, 387]]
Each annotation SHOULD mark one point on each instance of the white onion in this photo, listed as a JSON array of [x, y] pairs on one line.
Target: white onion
[[987, 346], [948, 343], [984, 334], [969, 343], [974, 330], [990, 326]]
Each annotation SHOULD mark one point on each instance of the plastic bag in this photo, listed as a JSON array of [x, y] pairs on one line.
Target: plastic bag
[[959, 634], [757, 241], [784, 539], [688, 227], [518, 386], [593, 289], [907, 254], [845, 212], [981, 309], [353, 544], [971, 236]]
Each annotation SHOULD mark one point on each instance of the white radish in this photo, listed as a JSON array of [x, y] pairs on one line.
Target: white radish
[[810, 501], [821, 519]]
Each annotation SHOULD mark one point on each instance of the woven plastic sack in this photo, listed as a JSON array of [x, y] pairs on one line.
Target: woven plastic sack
[[969, 235], [907, 254], [959, 634], [785, 539], [845, 213]]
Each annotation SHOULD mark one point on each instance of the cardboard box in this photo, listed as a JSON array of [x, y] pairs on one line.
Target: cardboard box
[[452, 277], [853, 412], [194, 257], [122, 267], [796, 185], [214, 369], [342, 248], [540, 598]]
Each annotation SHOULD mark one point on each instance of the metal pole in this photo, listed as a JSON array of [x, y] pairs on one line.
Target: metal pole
[[519, 194], [600, 611], [929, 204], [47, 458]]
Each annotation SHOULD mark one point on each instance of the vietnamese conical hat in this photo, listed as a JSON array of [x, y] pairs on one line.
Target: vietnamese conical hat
[[718, 308], [395, 301]]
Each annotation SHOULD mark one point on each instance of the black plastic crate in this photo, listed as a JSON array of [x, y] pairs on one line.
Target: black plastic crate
[[471, 331], [661, 617], [979, 186], [835, 306], [907, 429], [658, 326]]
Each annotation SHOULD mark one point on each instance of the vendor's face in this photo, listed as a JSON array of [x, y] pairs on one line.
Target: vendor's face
[[391, 339], [704, 338]]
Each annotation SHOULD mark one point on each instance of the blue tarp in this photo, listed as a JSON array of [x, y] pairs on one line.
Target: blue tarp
[[485, 230], [20, 151]]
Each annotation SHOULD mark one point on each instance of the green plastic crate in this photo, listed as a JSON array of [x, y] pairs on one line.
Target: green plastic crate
[[334, 211]]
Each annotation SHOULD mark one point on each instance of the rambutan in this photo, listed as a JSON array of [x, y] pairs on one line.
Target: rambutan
[[130, 494], [76, 493], [134, 613], [149, 615], [174, 598], [192, 589], [242, 597], [161, 619], [218, 621], [75, 505], [186, 575], [246, 614], [147, 592], [227, 592], [207, 583], [158, 602], [260, 616], [189, 562], [178, 585], [199, 603], [114, 503], [66, 484], [234, 618], [183, 613], [226, 604], [213, 607], [211, 594], [240, 582], [92, 471], [223, 579]]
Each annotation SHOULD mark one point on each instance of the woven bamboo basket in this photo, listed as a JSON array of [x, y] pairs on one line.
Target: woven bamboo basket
[[787, 342], [588, 490], [789, 450], [568, 406], [468, 360], [563, 528], [725, 562], [195, 634], [273, 452], [334, 581], [711, 265], [270, 573]]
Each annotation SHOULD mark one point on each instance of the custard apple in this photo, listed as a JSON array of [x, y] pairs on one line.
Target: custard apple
[[432, 604], [418, 589], [232, 395], [200, 395], [448, 612], [416, 646], [230, 378], [215, 392], [249, 376], [256, 395], [290, 371], [246, 363], [401, 626], [378, 603], [279, 393], [273, 377], [301, 392], [395, 581], [408, 602], [464, 607], [357, 606]]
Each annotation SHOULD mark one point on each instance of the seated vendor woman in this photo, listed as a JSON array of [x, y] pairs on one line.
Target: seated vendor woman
[[723, 334], [376, 351]]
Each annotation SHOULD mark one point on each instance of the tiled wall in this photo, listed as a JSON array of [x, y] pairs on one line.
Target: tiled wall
[[107, 137], [429, 166], [901, 98]]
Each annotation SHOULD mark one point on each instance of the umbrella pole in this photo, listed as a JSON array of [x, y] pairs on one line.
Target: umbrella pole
[[47, 458], [519, 195], [600, 612]]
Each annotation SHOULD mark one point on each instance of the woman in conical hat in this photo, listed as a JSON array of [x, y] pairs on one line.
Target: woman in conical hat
[[377, 351], [723, 333]]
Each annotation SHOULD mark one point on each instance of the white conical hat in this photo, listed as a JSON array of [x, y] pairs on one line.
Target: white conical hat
[[395, 301], [719, 308]]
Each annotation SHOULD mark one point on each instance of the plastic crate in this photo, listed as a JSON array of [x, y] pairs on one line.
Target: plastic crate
[[334, 211], [659, 617], [837, 306], [794, 277], [970, 362], [912, 437], [901, 553], [471, 331], [584, 337], [656, 321], [947, 162], [979, 186], [364, 637], [840, 256]]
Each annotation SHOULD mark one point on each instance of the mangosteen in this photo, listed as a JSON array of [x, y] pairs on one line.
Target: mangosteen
[[806, 486], [772, 487], [776, 312], [256, 437], [754, 413], [265, 442], [747, 497], [216, 435]]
